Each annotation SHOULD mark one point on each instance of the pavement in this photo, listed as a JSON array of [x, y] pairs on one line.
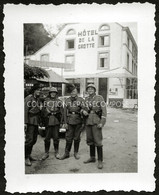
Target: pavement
[[119, 149]]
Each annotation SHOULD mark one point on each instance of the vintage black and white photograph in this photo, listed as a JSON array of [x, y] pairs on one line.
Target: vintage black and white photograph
[[79, 85], [81, 98]]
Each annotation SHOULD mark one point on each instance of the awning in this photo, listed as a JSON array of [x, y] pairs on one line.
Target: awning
[[44, 64], [53, 78], [110, 75], [105, 74]]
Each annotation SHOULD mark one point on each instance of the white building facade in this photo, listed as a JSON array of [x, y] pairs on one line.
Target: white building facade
[[104, 54]]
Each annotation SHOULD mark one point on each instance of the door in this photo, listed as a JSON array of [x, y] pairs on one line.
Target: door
[[103, 88]]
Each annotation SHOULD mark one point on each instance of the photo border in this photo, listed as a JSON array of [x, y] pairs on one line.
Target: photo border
[[2, 95]]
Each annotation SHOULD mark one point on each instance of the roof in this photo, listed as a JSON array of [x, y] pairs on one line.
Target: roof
[[66, 24], [53, 77]]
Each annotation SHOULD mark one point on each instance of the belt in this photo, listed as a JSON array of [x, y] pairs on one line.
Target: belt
[[74, 113], [53, 113], [92, 112]]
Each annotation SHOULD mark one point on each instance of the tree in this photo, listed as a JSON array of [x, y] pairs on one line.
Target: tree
[[34, 72], [35, 37], [53, 29]]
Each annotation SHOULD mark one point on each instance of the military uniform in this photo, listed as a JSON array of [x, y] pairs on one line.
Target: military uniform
[[53, 112], [73, 117], [32, 112], [96, 108]]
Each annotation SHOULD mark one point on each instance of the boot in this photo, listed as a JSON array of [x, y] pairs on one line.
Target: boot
[[56, 147], [46, 154], [92, 155], [67, 151], [100, 157], [27, 162], [32, 158], [76, 148]]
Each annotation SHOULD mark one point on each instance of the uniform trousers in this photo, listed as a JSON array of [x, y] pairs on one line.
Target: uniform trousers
[[52, 132], [30, 138], [73, 133], [94, 135]]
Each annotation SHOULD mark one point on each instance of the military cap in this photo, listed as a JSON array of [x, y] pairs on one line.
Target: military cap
[[91, 85], [53, 89]]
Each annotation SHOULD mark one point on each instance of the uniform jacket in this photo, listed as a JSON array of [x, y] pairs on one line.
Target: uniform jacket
[[73, 110], [53, 109], [96, 107], [32, 110]]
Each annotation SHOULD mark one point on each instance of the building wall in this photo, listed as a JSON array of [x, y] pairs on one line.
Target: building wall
[[85, 58], [131, 50], [87, 50]]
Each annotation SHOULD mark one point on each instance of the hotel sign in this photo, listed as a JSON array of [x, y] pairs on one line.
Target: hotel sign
[[86, 39]]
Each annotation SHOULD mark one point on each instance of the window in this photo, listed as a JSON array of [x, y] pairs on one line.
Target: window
[[103, 60], [128, 41], [70, 44], [70, 59], [132, 67], [135, 70], [71, 32], [104, 27], [133, 51], [44, 57], [127, 61], [104, 40], [131, 89], [135, 56]]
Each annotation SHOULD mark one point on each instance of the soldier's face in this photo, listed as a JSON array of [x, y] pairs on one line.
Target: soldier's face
[[74, 93], [91, 90], [37, 93], [53, 94]]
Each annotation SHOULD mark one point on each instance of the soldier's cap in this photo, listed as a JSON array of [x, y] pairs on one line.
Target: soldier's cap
[[35, 87], [91, 85], [53, 89]]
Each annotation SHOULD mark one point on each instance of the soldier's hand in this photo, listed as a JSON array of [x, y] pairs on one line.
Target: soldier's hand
[[66, 126], [82, 127], [85, 113], [100, 125], [25, 127], [40, 124]]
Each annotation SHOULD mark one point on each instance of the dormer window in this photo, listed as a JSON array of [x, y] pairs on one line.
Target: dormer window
[[71, 32], [44, 57], [104, 27]]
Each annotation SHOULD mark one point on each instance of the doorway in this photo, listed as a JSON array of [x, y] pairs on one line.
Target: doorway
[[103, 88]]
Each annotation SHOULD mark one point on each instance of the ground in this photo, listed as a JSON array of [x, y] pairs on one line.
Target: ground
[[119, 149]]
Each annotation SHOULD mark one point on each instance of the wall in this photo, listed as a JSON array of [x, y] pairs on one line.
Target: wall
[[87, 50], [86, 59]]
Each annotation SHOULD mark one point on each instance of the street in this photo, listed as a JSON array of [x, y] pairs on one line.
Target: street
[[119, 149]]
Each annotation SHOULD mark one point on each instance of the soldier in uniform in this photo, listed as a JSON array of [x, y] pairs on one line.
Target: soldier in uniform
[[53, 111], [32, 113], [96, 119], [73, 122]]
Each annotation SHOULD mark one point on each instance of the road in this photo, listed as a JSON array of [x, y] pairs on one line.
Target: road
[[119, 149]]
